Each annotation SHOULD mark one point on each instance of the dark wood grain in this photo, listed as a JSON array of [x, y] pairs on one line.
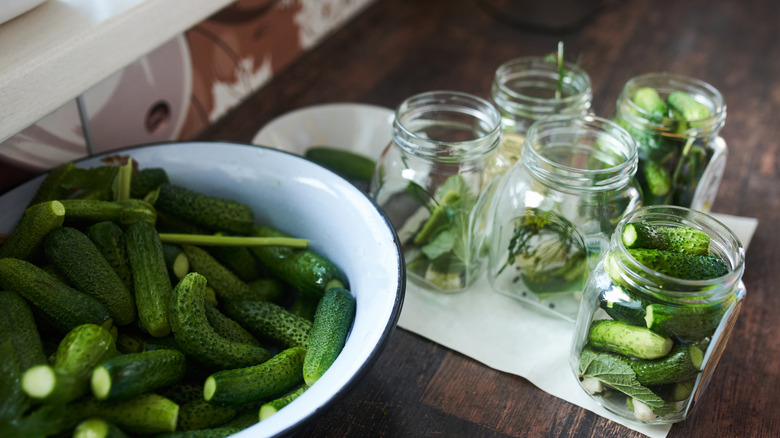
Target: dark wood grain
[[397, 48]]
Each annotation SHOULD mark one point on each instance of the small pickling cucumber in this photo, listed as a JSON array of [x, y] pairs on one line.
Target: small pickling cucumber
[[238, 259], [195, 412], [686, 323], [97, 428], [268, 289], [197, 338], [228, 328], [332, 322], [148, 413], [251, 384], [657, 179], [122, 212], [685, 107], [63, 307], [348, 164], [270, 321], [151, 283], [78, 259], [68, 378], [177, 262], [685, 240], [145, 180], [214, 213], [306, 270], [622, 305], [225, 283], [273, 406], [170, 223], [109, 238], [648, 99], [129, 375], [682, 363], [17, 324], [26, 241], [304, 306], [683, 266], [14, 402], [629, 340]]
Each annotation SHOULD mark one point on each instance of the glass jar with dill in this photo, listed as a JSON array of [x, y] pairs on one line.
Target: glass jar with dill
[[528, 89], [555, 210], [430, 182]]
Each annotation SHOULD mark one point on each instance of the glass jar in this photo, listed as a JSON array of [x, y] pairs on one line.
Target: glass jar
[[430, 179], [525, 90], [555, 210], [680, 162], [694, 317]]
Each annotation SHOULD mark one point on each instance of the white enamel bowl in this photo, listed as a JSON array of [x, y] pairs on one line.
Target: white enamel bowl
[[306, 200]]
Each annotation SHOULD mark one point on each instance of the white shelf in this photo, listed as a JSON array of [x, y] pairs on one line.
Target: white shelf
[[55, 52]]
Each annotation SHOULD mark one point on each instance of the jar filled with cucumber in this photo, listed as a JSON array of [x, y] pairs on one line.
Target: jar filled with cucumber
[[677, 121], [531, 88], [657, 312], [432, 179]]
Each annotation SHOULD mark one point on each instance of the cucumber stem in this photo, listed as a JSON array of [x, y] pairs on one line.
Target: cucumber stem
[[122, 181], [212, 240]]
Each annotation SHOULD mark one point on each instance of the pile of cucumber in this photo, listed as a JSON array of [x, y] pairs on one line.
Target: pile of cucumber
[[645, 350], [130, 305]]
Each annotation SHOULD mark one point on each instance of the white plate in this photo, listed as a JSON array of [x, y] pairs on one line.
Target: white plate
[[302, 198], [362, 128]]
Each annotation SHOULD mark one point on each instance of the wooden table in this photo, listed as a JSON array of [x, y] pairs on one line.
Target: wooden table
[[398, 48]]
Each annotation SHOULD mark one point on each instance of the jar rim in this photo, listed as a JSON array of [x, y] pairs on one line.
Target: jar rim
[[484, 112], [723, 241], [541, 69], [579, 178]]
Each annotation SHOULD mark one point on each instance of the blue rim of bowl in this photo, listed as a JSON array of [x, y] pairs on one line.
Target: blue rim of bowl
[[392, 322]]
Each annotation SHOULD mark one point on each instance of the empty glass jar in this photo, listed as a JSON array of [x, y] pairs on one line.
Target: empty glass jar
[[681, 157], [554, 212], [676, 328], [529, 89], [430, 179]]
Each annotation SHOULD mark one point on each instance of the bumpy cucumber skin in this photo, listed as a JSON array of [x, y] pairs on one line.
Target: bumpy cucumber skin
[[136, 373], [64, 307], [195, 335], [648, 99], [684, 240], [109, 238], [306, 270], [628, 340], [17, 324], [268, 289], [122, 212], [148, 413], [26, 240], [13, 403], [683, 266], [273, 406], [214, 213], [676, 366], [686, 107], [200, 414], [152, 285], [145, 180], [687, 324], [251, 384], [271, 321], [228, 328], [238, 259], [225, 283], [79, 260], [332, 322], [626, 308]]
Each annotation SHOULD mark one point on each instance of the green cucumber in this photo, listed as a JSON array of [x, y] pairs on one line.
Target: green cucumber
[[304, 306], [14, 402], [255, 383], [17, 324], [306, 270], [177, 262], [648, 99], [197, 337], [268, 289], [685, 107], [214, 213], [97, 428], [685, 240], [152, 285], [348, 164], [657, 178], [225, 283], [68, 378], [270, 321], [682, 363], [52, 187], [148, 413], [228, 328], [622, 305], [133, 374], [170, 223], [686, 323], [683, 266], [26, 240], [200, 414], [78, 259], [122, 212], [64, 307], [332, 322], [238, 259], [629, 340], [109, 238], [146, 180], [273, 406]]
